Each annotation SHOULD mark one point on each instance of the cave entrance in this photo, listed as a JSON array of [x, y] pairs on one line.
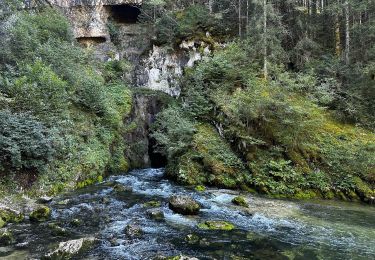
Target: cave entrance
[[91, 41], [157, 159], [126, 14]]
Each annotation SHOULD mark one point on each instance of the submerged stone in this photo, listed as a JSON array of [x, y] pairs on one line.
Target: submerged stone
[[216, 225], [184, 205], [71, 248], [240, 201], [41, 214]]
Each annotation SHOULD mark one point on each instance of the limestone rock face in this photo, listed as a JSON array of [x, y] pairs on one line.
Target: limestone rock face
[[163, 68]]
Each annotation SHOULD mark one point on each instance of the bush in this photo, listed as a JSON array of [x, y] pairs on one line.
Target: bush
[[25, 143]]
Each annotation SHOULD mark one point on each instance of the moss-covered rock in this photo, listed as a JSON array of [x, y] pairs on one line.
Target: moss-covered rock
[[43, 213], [192, 239], [240, 201], [184, 205], [6, 238], [122, 188], [56, 230], [200, 188], [8, 215], [155, 214], [152, 204], [133, 231], [216, 225]]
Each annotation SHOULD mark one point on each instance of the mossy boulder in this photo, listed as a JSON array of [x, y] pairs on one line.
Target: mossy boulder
[[41, 214], [156, 214], [121, 188], [133, 231], [184, 205], [200, 188], [152, 204], [8, 215], [71, 249], [6, 238], [216, 225], [192, 239], [57, 230], [240, 201]]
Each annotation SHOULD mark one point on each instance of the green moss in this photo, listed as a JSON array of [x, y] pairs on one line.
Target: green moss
[[216, 225], [240, 201], [200, 188], [41, 214], [152, 204], [306, 195]]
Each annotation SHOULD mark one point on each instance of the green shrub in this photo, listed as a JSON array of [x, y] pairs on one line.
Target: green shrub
[[25, 143]]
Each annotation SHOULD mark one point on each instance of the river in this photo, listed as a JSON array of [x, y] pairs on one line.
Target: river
[[268, 229]]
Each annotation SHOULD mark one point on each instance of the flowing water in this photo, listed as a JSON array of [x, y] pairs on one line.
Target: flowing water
[[268, 229]]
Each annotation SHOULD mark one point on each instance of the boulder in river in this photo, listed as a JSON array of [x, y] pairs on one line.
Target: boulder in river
[[155, 214], [216, 225], [10, 215], [6, 238], [184, 205], [121, 188], [133, 231], [40, 214], [240, 201], [71, 248]]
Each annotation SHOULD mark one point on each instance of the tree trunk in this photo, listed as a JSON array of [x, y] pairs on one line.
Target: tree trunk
[[265, 65], [347, 33], [239, 19]]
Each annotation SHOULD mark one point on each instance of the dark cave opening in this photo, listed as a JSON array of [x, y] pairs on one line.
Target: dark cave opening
[[127, 14], [157, 159]]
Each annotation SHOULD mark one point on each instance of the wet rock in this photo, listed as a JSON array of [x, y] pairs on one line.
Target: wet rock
[[200, 188], [155, 214], [121, 188], [184, 205], [133, 231], [45, 199], [192, 239], [216, 225], [76, 222], [57, 230], [179, 257], [105, 200], [240, 201], [6, 238], [152, 204], [41, 214], [71, 248], [114, 242], [63, 202], [8, 215]]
